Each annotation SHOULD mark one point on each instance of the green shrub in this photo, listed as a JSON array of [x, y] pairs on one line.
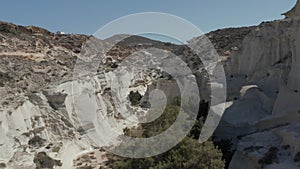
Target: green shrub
[[189, 154], [135, 98], [42, 160], [5, 76], [36, 141], [7, 28]]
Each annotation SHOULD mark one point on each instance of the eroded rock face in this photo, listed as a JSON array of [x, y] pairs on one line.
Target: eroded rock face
[[263, 89], [38, 125], [294, 12], [37, 116], [33, 117], [275, 148]]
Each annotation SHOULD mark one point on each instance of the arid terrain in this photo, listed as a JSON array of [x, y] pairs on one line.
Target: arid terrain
[[39, 128]]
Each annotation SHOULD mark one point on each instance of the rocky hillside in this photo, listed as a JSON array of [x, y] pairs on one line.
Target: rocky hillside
[[38, 125], [262, 115], [39, 128], [32, 60], [227, 40]]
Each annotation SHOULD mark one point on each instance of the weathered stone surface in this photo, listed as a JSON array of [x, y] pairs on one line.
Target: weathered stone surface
[[294, 12], [263, 87], [37, 117]]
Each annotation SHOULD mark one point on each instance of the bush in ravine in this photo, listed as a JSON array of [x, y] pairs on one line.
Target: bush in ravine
[[42, 160], [135, 98], [4, 77], [189, 154], [36, 141]]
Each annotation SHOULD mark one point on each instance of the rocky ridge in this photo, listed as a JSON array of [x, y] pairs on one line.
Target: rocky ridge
[[262, 115], [37, 121], [39, 127]]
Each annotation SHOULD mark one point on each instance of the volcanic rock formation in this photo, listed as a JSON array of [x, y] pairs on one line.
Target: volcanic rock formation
[[39, 126]]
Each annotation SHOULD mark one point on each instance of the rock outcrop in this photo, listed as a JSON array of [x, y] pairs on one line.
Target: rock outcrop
[[39, 127], [294, 12], [33, 119], [262, 114]]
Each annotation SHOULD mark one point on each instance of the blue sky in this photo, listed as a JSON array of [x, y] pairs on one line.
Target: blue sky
[[86, 17]]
